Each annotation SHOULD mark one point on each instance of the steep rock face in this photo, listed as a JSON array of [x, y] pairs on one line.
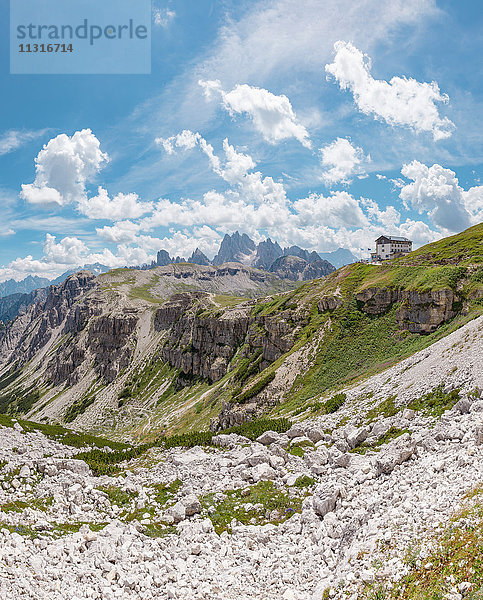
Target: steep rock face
[[199, 258], [232, 415], [423, 312], [202, 343], [296, 268], [234, 248], [163, 258], [199, 343], [329, 303], [106, 345], [16, 304], [317, 269], [420, 312], [87, 338], [273, 334], [108, 339], [267, 254], [31, 332], [289, 267]]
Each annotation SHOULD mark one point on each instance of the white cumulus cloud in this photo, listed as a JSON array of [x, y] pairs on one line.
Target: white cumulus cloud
[[187, 140], [341, 161], [63, 167], [272, 115], [400, 101], [121, 206], [436, 191], [69, 251], [119, 233], [234, 170], [339, 209]]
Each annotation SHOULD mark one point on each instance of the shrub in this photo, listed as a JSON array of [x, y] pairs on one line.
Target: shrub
[[125, 393], [255, 389], [333, 404], [187, 440], [254, 429], [105, 463], [249, 366], [78, 408], [436, 402], [304, 481]]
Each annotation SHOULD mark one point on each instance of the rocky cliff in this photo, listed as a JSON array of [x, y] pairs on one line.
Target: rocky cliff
[[16, 304], [419, 312]]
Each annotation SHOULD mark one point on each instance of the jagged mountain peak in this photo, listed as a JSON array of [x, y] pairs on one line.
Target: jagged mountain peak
[[239, 247], [296, 268], [199, 258], [267, 253], [27, 285], [235, 248]]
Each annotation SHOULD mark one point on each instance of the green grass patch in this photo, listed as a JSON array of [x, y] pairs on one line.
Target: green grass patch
[[41, 504], [435, 402], [227, 301], [392, 434], [145, 292], [386, 409], [263, 493], [121, 498], [299, 448], [62, 434], [463, 249], [19, 401], [359, 345], [166, 491]]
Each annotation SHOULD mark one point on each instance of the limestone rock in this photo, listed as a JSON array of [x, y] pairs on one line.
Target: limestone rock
[[394, 453]]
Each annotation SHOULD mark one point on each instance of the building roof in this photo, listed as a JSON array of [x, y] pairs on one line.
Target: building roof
[[393, 238]]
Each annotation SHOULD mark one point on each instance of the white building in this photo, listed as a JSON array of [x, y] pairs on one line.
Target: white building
[[389, 246]]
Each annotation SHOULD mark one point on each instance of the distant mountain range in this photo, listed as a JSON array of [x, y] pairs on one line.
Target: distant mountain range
[[31, 283], [292, 263], [241, 248]]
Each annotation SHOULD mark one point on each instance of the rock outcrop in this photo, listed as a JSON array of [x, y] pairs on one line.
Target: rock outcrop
[[419, 311], [202, 341]]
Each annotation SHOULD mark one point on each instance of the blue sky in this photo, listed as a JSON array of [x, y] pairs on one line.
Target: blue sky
[[322, 124]]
